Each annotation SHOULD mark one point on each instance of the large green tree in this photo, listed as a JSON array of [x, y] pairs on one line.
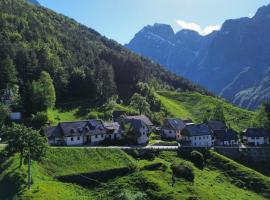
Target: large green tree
[[43, 93], [218, 114], [4, 113], [139, 103], [8, 73], [25, 141], [260, 119]]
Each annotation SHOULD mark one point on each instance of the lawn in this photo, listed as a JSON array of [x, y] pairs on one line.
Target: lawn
[[195, 106]]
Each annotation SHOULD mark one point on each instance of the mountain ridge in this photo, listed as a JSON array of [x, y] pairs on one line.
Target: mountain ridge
[[219, 61]]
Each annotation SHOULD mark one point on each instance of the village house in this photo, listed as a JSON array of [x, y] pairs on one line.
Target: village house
[[256, 137], [226, 137], [172, 129], [88, 132], [197, 135], [141, 127]]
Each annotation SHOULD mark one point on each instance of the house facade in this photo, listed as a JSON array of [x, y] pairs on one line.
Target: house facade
[[256, 137], [197, 135], [89, 132], [172, 129], [226, 137], [140, 128]]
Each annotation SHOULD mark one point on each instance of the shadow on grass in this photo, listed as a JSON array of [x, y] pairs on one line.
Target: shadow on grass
[[95, 179]]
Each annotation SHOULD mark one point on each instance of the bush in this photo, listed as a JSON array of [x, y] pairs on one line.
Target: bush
[[197, 158], [39, 120], [183, 171], [144, 154]]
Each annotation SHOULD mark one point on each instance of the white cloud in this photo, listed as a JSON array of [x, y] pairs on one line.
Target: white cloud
[[251, 15], [198, 28]]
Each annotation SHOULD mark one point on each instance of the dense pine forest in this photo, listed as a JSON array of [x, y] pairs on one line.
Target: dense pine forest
[[81, 62]]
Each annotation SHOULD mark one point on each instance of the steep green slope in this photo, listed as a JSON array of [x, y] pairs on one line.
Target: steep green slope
[[195, 106], [82, 63], [151, 184]]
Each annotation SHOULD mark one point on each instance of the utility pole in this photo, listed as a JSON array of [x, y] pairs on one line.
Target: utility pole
[[29, 173]]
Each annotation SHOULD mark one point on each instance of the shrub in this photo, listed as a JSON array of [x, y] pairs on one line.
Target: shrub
[[39, 120], [183, 171], [197, 158]]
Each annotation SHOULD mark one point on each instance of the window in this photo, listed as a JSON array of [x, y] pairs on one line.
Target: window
[[199, 138], [78, 138], [170, 131], [203, 137], [102, 135], [96, 136], [71, 139]]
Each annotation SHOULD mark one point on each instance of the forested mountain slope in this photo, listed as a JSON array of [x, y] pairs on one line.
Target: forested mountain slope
[[81, 62]]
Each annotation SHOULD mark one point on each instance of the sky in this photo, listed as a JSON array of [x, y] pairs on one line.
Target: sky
[[120, 20]]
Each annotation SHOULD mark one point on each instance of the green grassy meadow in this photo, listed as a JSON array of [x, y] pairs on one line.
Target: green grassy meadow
[[210, 183]]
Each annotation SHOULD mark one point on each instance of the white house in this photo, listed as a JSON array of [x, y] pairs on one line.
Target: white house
[[197, 136], [88, 132], [256, 137], [172, 129]]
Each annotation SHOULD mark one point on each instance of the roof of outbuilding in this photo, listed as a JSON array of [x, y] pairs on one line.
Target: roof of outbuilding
[[112, 126], [256, 132]]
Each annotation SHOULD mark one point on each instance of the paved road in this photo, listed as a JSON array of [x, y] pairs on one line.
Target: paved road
[[129, 147]]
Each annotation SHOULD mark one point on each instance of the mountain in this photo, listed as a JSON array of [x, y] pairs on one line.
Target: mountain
[[81, 62], [233, 62], [35, 2], [161, 44]]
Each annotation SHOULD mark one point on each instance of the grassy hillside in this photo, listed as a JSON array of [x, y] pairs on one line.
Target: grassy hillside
[[150, 184], [194, 106]]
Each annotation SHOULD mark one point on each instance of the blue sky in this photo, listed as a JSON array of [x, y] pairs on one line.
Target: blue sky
[[121, 19]]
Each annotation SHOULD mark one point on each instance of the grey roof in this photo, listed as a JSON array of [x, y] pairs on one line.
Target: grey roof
[[52, 131], [72, 128], [225, 135], [65, 129], [216, 125], [143, 118], [113, 127], [256, 132], [176, 124], [198, 130]]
